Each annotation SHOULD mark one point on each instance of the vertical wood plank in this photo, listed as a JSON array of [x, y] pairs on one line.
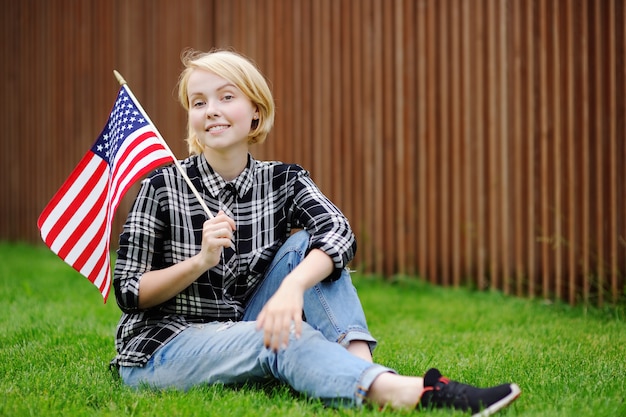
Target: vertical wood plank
[[516, 58], [324, 154], [358, 123], [569, 135], [557, 148], [468, 225], [544, 210], [620, 18], [612, 154], [585, 130], [456, 98], [442, 137], [411, 100], [399, 174], [600, 139], [318, 110], [530, 151], [348, 141], [422, 100], [480, 198], [504, 243], [374, 144], [388, 163], [334, 134], [493, 174], [430, 193]]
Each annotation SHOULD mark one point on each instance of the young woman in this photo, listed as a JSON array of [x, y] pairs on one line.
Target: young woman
[[236, 297]]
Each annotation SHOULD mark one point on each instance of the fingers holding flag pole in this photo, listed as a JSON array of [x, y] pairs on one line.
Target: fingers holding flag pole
[[124, 84]]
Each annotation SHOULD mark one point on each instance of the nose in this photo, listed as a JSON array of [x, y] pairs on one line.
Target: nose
[[212, 109]]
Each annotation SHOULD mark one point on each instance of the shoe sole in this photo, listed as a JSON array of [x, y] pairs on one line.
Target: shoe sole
[[499, 405]]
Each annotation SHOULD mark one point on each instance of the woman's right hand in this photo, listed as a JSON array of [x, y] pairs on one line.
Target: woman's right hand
[[217, 233]]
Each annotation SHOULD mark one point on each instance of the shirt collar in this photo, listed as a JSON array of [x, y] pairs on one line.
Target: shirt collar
[[214, 183]]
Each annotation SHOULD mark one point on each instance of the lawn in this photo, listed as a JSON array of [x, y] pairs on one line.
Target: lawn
[[56, 339]]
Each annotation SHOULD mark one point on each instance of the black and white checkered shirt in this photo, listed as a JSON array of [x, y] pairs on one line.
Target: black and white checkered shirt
[[164, 227]]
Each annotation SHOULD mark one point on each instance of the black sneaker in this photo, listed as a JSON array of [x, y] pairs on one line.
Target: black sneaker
[[440, 392]]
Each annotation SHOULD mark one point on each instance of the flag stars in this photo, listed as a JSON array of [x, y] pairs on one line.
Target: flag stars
[[124, 119]]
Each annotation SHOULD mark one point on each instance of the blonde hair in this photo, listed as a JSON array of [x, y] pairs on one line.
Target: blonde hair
[[240, 71]]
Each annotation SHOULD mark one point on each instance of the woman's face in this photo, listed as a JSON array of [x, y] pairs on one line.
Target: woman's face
[[219, 112]]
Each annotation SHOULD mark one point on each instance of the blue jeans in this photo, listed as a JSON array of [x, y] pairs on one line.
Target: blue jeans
[[317, 364]]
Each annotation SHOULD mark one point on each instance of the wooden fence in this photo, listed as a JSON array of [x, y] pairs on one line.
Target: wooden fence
[[470, 142]]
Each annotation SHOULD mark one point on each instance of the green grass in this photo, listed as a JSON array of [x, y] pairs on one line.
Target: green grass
[[56, 339]]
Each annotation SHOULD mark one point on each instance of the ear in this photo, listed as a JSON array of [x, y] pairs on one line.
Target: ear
[[255, 120]]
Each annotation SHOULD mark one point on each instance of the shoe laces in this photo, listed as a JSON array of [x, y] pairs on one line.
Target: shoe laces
[[446, 393]]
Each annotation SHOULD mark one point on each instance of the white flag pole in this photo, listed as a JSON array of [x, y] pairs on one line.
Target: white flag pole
[[123, 83]]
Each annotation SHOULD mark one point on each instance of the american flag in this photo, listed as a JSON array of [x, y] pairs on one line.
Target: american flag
[[76, 223]]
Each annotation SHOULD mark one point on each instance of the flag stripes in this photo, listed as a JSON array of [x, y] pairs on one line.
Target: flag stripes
[[76, 223]]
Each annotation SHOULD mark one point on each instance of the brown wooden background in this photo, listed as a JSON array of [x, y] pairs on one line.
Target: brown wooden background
[[468, 141]]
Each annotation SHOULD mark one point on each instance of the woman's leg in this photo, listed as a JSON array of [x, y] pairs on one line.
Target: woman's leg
[[233, 353], [333, 308]]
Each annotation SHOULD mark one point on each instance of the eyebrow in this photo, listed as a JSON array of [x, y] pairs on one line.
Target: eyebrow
[[227, 85], [220, 88]]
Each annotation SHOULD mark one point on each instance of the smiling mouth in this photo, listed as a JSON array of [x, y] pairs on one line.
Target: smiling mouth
[[214, 129]]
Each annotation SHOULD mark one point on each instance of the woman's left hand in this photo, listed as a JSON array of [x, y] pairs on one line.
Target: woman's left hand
[[282, 314]]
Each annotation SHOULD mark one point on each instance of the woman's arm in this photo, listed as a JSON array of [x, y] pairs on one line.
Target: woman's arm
[[158, 286], [285, 306], [332, 246]]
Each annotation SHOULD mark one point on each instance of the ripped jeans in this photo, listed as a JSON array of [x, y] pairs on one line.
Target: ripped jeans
[[317, 364]]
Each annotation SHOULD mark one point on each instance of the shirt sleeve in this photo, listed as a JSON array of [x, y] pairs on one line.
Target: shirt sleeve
[[140, 243], [329, 229]]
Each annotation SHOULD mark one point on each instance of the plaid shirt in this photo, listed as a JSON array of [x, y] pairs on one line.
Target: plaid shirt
[[164, 227]]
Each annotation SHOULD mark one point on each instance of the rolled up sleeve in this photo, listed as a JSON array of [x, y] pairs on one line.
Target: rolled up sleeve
[[329, 229]]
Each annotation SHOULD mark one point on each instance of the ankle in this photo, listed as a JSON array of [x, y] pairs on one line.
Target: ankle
[[396, 391], [360, 349]]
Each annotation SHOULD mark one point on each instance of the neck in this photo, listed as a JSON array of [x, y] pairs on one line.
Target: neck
[[228, 166]]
